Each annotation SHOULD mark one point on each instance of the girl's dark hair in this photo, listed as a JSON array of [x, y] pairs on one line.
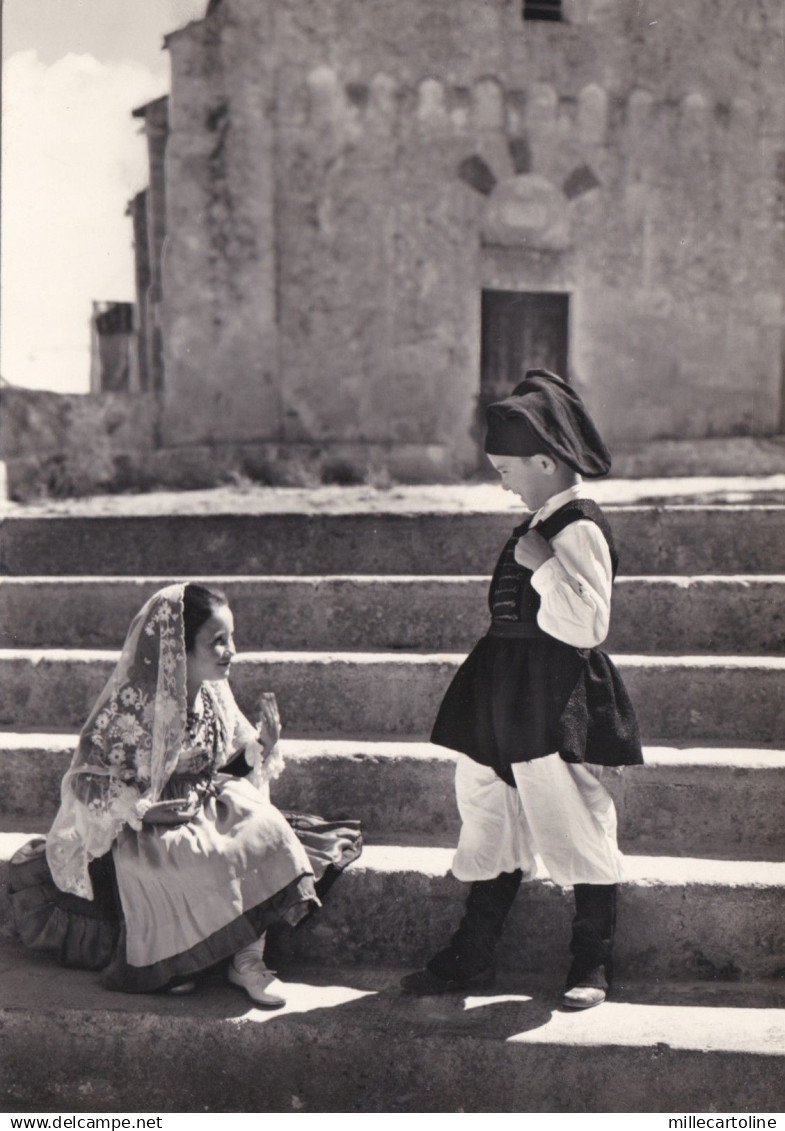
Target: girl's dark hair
[[199, 604]]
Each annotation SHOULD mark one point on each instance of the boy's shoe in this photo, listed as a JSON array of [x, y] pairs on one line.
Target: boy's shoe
[[589, 977], [582, 997], [261, 984], [591, 990], [426, 984]]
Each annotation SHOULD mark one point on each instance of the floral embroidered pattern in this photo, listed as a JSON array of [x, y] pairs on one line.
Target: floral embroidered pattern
[[130, 744], [122, 737], [140, 740]]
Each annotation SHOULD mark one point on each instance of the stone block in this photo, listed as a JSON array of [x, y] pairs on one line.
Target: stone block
[[674, 917], [349, 1041], [742, 615], [683, 699], [675, 540], [404, 792]]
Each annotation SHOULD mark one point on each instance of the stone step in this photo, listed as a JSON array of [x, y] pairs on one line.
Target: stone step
[[677, 802], [742, 614], [687, 699], [678, 540], [350, 1041], [670, 804], [633, 1054], [679, 918]]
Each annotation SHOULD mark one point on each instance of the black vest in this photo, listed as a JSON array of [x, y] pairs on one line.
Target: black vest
[[512, 598]]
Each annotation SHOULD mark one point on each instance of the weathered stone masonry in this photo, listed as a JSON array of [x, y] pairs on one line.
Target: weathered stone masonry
[[148, 210], [345, 180]]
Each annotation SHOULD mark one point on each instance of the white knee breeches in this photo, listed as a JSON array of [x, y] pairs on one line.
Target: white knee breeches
[[559, 821]]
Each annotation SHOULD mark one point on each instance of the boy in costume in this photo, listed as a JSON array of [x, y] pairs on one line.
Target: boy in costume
[[536, 702]]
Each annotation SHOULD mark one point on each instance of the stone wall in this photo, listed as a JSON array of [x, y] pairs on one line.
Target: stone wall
[[54, 446], [219, 270], [150, 237], [344, 179], [59, 444]]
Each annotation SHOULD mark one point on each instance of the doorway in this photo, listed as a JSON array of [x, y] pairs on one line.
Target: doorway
[[521, 330]]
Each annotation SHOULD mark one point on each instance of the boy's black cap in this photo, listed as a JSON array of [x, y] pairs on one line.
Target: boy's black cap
[[546, 415]]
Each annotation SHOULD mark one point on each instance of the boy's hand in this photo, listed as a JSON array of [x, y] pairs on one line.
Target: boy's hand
[[532, 550]]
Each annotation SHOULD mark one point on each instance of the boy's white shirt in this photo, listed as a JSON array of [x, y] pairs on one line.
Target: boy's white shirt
[[575, 585]]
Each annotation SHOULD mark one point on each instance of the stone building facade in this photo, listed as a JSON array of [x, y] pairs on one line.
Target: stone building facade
[[113, 348], [377, 213], [148, 213]]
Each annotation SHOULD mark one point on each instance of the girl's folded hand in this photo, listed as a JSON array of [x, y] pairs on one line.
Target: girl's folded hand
[[176, 812], [269, 726]]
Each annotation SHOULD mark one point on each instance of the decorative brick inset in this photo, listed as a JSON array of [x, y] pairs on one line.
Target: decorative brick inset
[[580, 181], [521, 154], [477, 174]]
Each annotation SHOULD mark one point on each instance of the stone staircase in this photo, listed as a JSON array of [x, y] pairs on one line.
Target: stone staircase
[[357, 621]]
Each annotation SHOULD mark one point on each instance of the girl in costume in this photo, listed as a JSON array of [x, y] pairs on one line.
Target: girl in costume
[[166, 855]]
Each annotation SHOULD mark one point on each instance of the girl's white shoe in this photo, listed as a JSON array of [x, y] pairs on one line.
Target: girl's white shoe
[[261, 984], [182, 988]]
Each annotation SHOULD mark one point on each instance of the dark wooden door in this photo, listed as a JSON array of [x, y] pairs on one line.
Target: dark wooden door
[[521, 330]]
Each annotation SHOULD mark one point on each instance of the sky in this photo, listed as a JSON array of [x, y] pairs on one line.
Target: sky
[[72, 158]]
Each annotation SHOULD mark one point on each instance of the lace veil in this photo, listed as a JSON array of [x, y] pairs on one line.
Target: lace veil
[[131, 742]]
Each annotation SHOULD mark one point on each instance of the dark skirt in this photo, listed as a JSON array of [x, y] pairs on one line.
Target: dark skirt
[[82, 933], [88, 934], [514, 700]]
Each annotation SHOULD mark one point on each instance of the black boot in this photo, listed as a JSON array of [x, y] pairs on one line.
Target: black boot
[[467, 963], [593, 928]]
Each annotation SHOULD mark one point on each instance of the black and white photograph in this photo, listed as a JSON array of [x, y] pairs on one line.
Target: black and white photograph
[[392, 561]]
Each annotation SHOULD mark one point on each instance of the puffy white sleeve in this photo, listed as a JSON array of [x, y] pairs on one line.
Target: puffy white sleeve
[[265, 766], [575, 586]]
